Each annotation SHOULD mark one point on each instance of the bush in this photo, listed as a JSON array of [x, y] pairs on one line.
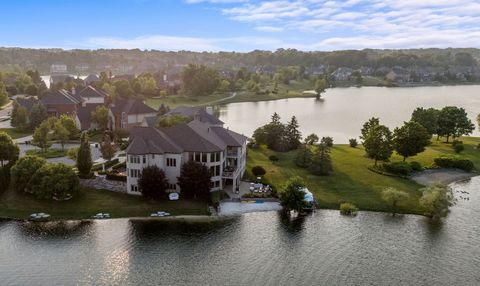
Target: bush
[[398, 168], [416, 167], [353, 142], [458, 146], [258, 171], [23, 171], [273, 158], [448, 161], [348, 209]]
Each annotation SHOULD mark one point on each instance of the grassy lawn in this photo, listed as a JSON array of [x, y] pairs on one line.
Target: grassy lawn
[[352, 181], [49, 153], [294, 89], [89, 202], [16, 133]]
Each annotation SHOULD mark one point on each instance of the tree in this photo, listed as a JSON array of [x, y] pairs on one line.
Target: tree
[[61, 133], [69, 124], [258, 171], [292, 134], [8, 150], [199, 80], [272, 134], [304, 157], [84, 157], [19, 116], [367, 126], [311, 139], [123, 88], [31, 89], [436, 200], [162, 110], [320, 86], [321, 164], [37, 115], [378, 143], [292, 196], [428, 118], [41, 136], [100, 116], [454, 122], [54, 181], [107, 148], [110, 90], [23, 171], [353, 142], [224, 85], [410, 139], [195, 180], [3, 94], [148, 85], [153, 183], [103, 77], [394, 197], [327, 141]]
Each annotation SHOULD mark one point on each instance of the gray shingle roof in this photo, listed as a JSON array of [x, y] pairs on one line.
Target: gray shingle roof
[[131, 106], [90, 91], [27, 102], [61, 96]]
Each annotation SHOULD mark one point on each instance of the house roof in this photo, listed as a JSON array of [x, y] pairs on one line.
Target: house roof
[[131, 106], [91, 77], [195, 136], [84, 113], [90, 91], [59, 78], [193, 111], [59, 97]]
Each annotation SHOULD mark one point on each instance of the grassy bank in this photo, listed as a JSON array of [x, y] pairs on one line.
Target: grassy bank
[[16, 133], [89, 202], [49, 153], [352, 181]]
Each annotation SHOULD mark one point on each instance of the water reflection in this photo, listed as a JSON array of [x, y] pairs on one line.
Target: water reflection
[[292, 224], [57, 229]]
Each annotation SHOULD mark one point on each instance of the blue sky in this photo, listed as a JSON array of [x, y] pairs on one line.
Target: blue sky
[[240, 25]]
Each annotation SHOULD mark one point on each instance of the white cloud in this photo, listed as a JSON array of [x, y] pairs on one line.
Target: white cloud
[[269, 29]]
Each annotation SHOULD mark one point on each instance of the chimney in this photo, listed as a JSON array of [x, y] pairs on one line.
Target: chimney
[[73, 90], [209, 110], [196, 116]]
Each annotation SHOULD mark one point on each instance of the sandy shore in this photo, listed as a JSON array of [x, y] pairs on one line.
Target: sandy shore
[[442, 176]]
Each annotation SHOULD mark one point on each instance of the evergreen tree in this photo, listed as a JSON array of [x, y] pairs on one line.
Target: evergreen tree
[[304, 157], [162, 110], [321, 164], [37, 115], [84, 157], [292, 134], [107, 148], [19, 116]]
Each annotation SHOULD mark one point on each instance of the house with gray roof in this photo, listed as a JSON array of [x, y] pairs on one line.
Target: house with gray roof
[[128, 112], [221, 150]]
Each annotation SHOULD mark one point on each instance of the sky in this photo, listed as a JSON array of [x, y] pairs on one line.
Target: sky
[[239, 25]]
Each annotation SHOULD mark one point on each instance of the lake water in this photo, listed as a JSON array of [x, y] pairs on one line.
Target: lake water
[[342, 111], [325, 248]]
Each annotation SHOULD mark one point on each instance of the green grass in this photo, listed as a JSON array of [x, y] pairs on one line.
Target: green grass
[[351, 180], [16, 133], [89, 202], [49, 153]]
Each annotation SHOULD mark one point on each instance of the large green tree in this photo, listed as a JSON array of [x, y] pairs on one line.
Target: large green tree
[[8, 150], [378, 143], [199, 80], [304, 157], [69, 123], [54, 180], [23, 171], [427, 117], [42, 135], [100, 116], [19, 116], [293, 136], [153, 183], [194, 180], [367, 126], [272, 134], [454, 122], [410, 139], [291, 196], [60, 133], [37, 115], [321, 164], [84, 157]]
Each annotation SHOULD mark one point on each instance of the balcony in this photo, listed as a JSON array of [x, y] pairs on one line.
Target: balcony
[[229, 172], [232, 153]]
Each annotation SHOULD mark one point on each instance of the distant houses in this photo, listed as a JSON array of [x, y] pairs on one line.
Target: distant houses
[[80, 102]]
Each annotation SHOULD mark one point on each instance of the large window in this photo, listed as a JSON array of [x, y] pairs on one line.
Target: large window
[[134, 159], [134, 173], [171, 162], [172, 186], [133, 188]]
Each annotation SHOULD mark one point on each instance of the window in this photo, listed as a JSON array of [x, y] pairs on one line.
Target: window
[[133, 188], [212, 157], [144, 159], [191, 156], [172, 186], [134, 159], [134, 173], [171, 162], [204, 157]]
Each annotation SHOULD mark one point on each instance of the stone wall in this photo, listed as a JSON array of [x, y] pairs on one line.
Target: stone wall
[[100, 182]]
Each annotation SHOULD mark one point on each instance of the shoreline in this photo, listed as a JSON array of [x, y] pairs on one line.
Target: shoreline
[[442, 176]]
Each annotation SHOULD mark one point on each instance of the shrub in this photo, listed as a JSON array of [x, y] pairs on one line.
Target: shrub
[[23, 171], [273, 158], [258, 171], [398, 168], [449, 161], [353, 142], [348, 209], [416, 166], [458, 146], [328, 141]]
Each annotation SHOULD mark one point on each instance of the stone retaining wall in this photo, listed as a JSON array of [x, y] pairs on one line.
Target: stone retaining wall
[[100, 182]]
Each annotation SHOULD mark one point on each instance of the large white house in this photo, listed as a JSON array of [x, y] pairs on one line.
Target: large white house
[[220, 149]]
